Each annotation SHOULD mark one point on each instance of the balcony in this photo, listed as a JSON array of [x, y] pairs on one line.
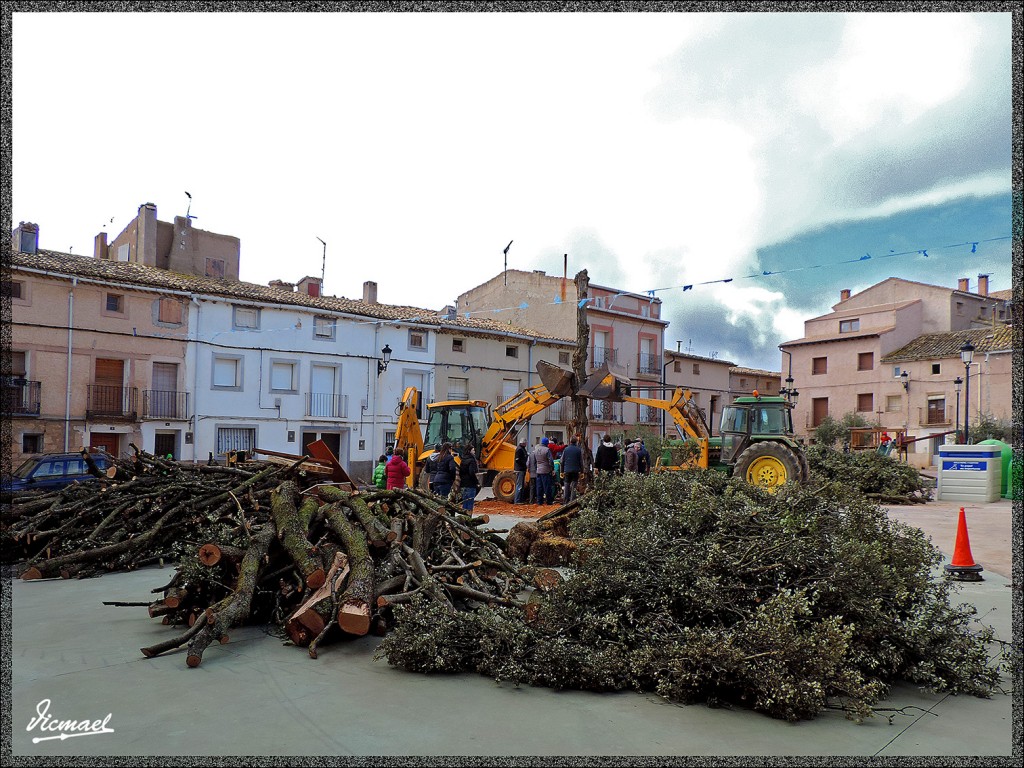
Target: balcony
[[21, 397], [561, 411], [160, 404], [602, 410], [935, 417], [326, 406], [603, 356], [649, 364], [108, 402], [649, 415]]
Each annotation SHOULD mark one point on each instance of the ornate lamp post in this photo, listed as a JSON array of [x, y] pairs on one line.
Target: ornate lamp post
[[967, 355], [382, 365], [957, 382]]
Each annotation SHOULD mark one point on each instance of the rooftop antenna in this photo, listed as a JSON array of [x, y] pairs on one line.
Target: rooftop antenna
[[188, 212], [506, 261], [323, 266]]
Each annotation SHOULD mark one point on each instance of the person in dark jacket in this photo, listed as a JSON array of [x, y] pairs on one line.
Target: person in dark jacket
[[643, 459], [572, 465], [545, 469], [430, 466], [396, 471], [468, 480], [519, 466], [446, 472], [607, 459]]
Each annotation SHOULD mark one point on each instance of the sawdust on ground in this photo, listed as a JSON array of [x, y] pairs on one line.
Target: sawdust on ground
[[495, 507]]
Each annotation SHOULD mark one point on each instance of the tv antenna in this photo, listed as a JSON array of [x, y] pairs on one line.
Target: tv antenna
[[323, 265], [188, 213]]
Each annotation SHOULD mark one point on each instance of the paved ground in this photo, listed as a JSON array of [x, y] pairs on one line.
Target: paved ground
[[257, 696]]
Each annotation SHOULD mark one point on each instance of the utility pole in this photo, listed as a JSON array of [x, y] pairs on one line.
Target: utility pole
[[323, 267]]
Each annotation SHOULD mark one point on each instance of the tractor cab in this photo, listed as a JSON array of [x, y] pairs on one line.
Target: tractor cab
[[459, 422], [753, 419]]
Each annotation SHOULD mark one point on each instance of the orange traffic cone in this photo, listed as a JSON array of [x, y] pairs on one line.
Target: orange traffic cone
[[962, 566]]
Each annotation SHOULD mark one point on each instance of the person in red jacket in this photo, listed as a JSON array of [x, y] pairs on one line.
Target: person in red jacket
[[396, 471]]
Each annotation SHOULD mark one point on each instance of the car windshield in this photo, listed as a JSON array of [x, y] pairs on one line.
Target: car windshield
[[25, 469]]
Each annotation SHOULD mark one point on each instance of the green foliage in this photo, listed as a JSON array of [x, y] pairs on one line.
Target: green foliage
[[866, 472], [831, 430], [706, 589], [988, 427]]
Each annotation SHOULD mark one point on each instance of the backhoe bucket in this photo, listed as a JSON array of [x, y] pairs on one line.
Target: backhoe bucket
[[559, 381], [604, 384]]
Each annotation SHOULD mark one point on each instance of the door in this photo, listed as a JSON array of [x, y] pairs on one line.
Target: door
[[163, 397], [418, 380], [331, 439], [165, 445], [108, 387], [819, 410], [107, 441], [321, 392]]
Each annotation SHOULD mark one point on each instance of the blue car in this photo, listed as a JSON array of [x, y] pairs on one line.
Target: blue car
[[50, 471]]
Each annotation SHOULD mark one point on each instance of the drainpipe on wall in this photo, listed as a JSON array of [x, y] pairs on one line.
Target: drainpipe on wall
[[194, 419], [529, 383], [67, 395], [373, 402]]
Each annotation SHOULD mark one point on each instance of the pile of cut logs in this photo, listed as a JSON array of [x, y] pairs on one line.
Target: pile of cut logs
[[260, 543]]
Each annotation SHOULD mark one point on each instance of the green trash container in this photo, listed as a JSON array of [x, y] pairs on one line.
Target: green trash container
[[1006, 454]]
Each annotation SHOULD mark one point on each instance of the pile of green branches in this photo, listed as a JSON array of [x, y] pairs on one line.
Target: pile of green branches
[[870, 473], [705, 589]]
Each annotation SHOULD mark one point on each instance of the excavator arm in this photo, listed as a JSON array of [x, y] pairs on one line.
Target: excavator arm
[[684, 413], [509, 416], [408, 436]]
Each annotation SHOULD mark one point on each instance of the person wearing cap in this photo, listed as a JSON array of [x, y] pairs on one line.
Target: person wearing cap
[[519, 467], [545, 466], [632, 457]]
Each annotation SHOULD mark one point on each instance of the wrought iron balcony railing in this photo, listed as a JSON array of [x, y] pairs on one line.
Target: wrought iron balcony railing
[[164, 404], [112, 402], [649, 364], [326, 406], [21, 397]]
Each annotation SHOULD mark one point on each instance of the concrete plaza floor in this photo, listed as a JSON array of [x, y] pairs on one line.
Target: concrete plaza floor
[[258, 696]]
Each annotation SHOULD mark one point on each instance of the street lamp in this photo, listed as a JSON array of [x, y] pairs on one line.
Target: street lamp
[[957, 382], [905, 378], [967, 355], [788, 392], [382, 365]]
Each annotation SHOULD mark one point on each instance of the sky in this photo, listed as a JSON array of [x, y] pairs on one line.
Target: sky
[[658, 150]]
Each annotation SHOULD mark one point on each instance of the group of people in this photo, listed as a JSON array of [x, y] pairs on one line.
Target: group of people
[[442, 472], [548, 466]]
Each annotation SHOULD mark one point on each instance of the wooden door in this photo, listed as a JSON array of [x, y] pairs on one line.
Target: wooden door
[[819, 410], [109, 442]]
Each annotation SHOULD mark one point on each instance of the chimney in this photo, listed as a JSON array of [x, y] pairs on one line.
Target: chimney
[[963, 284], [99, 246], [844, 294], [25, 237], [310, 286], [370, 292], [147, 226], [282, 285], [983, 285]]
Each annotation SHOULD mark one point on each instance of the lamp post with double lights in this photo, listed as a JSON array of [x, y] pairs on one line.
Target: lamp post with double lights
[[967, 355], [957, 382]]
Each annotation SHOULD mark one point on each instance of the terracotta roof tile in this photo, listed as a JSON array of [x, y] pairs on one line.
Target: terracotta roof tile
[[128, 274], [825, 337], [936, 346], [752, 371]]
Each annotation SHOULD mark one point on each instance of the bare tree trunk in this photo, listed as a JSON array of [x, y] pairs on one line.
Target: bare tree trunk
[[580, 405]]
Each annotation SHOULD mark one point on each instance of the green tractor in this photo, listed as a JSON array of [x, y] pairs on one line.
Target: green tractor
[[757, 442]]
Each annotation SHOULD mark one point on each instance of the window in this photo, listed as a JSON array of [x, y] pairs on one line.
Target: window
[[215, 267], [417, 339], [645, 310], [677, 367], [123, 252], [14, 289], [246, 317], [458, 389], [18, 366], [115, 302], [937, 410], [563, 358], [323, 327], [743, 383], [235, 439], [458, 345], [893, 403], [849, 326], [896, 371], [511, 351], [819, 410], [960, 308], [696, 369], [169, 311], [819, 365], [31, 443], [227, 373], [282, 376], [866, 402], [936, 367], [389, 438], [865, 361]]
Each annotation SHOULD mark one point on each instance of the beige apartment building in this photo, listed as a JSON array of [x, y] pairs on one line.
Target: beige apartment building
[[853, 358], [94, 360], [626, 332]]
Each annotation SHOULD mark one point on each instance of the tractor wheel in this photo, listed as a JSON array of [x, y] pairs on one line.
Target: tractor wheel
[[504, 486], [805, 468], [769, 465]]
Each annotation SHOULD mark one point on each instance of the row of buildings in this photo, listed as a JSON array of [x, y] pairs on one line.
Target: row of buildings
[[154, 341]]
